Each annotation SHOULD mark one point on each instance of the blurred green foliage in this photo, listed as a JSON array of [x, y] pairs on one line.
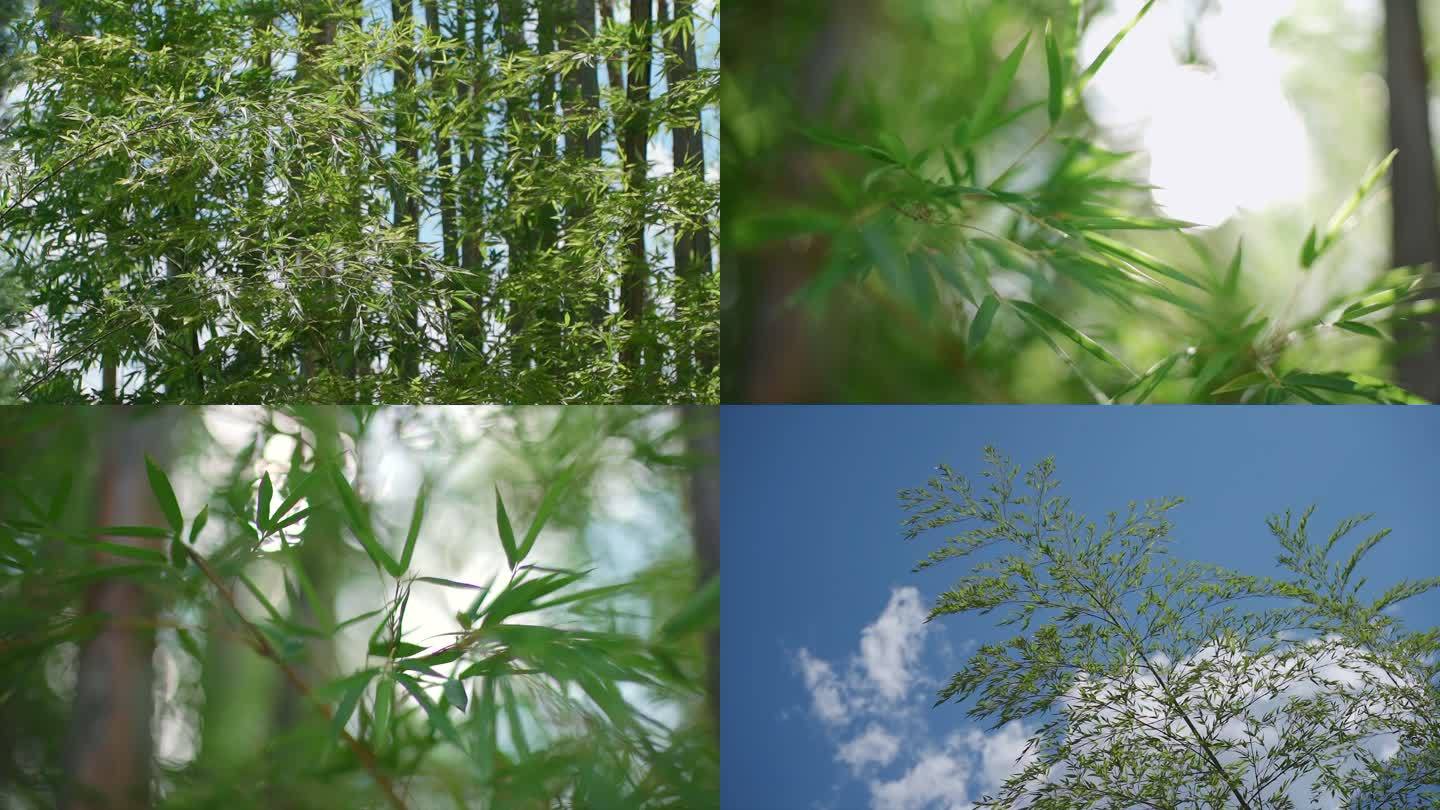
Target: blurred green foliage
[[925, 211], [328, 544]]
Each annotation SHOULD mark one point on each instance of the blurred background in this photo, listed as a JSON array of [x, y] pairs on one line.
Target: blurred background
[[579, 674], [1250, 120]]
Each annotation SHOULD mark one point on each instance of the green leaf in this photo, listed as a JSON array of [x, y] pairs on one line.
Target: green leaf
[[291, 520], [133, 552], [1045, 321], [262, 503], [179, 555], [512, 716], [400, 649], [416, 516], [450, 583], [522, 595], [552, 498], [1360, 329], [1309, 251], [384, 698], [439, 720], [164, 495], [1056, 100], [701, 610], [1359, 552], [199, 523], [346, 707], [485, 731], [456, 694], [997, 89], [507, 533], [1150, 380], [360, 523], [1404, 590], [1246, 380], [1121, 222], [1089, 72], [980, 324], [1141, 258], [1358, 385], [297, 491], [1232, 273], [1315, 247], [148, 532], [1381, 300], [849, 145]]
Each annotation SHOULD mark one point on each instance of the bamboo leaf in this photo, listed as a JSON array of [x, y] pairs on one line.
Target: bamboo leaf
[[199, 523], [439, 720], [1246, 380], [164, 494], [997, 89], [262, 503], [147, 532], [297, 491], [1360, 329], [349, 699], [1141, 258], [980, 324], [384, 699], [360, 523], [701, 610], [1358, 385], [552, 498], [1089, 72], [1045, 321], [416, 516], [507, 533], [456, 694], [450, 583], [1056, 101]]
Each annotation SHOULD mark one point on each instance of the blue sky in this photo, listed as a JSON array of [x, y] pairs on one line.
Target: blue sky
[[816, 600]]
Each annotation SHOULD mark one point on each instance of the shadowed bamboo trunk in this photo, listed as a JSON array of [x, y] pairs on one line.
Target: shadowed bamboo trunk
[[1415, 210], [771, 354], [517, 224], [692, 247], [109, 743], [407, 208], [581, 100], [472, 180], [636, 132]]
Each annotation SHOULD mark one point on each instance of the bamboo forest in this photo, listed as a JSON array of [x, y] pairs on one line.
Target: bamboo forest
[[241, 201], [358, 607]]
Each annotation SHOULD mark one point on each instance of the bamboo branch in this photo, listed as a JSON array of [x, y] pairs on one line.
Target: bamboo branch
[[263, 646]]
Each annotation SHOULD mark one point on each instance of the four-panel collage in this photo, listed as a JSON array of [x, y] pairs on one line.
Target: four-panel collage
[[380, 382]]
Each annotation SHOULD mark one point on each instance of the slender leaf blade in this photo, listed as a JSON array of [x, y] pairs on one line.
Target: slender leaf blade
[[1048, 322], [164, 494], [507, 532]]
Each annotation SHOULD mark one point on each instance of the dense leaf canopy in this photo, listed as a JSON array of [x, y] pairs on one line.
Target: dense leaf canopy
[[340, 202]]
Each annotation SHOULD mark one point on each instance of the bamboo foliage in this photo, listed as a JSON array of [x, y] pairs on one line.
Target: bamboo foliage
[[1158, 682], [317, 201]]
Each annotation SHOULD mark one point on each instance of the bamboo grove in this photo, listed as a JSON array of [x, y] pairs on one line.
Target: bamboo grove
[[337, 201]]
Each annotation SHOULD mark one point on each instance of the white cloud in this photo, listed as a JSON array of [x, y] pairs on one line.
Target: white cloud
[[874, 747], [939, 779], [878, 691], [882, 675], [824, 688], [890, 647], [1001, 753]]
